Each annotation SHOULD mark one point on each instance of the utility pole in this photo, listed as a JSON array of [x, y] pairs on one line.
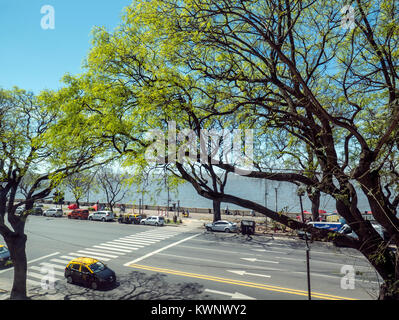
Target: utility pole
[[301, 193]]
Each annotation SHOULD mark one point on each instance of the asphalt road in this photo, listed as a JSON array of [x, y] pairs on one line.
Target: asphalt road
[[224, 266]]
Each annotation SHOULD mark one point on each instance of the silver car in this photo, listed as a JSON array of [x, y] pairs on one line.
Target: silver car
[[53, 212], [222, 225], [102, 216], [154, 221]]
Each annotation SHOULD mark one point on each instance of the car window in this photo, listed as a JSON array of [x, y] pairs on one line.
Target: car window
[[3, 249], [85, 270], [75, 266], [97, 266]]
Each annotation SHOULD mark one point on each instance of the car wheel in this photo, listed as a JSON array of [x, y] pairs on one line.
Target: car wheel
[[90, 218], [94, 285], [208, 229], [54, 215], [156, 224], [103, 219], [227, 230], [69, 279]]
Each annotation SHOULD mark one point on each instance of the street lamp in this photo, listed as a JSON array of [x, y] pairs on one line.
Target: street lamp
[[301, 193]]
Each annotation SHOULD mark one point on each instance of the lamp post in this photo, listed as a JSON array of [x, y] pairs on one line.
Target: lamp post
[[301, 193]]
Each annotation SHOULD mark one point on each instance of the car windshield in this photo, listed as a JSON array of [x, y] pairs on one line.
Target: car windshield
[[3, 249], [97, 267]]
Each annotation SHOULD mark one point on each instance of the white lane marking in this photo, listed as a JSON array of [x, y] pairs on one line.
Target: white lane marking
[[53, 265], [130, 243], [160, 250], [34, 260], [259, 260], [91, 256], [138, 241], [36, 268], [243, 272], [60, 261], [106, 255], [105, 251], [112, 249]]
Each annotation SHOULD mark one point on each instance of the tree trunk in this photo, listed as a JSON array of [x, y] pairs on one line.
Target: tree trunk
[[314, 197], [16, 244], [216, 211]]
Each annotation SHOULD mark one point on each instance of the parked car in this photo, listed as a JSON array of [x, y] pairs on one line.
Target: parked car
[[153, 220], [130, 218], [89, 272], [5, 258], [81, 214], [102, 216], [347, 230], [222, 225], [53, 212], [37, 210]]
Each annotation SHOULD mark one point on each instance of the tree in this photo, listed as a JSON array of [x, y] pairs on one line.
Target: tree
[[27, 152], [113, 184], [79, 184], [286, 67]]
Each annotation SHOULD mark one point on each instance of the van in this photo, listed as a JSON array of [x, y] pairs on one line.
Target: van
[[81, 214]]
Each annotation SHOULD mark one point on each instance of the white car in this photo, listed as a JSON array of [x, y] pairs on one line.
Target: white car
[[53, 212], [154, 221], [102, 216]]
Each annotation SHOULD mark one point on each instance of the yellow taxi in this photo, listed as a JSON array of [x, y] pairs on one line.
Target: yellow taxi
[[89, 272]]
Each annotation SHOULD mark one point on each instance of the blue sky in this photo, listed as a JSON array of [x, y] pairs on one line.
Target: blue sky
[[35, 59]]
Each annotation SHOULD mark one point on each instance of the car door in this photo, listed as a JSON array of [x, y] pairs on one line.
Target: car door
[[219, 226], [87, 276], [75, 272]]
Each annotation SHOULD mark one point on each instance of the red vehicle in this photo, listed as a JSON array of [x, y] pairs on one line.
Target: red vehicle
[[73, 206], [78, 214]]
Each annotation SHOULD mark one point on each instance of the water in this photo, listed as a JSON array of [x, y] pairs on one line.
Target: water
[[282, 195]]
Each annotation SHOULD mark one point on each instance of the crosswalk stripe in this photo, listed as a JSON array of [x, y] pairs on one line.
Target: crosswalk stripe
[[110, 247], [98, 253], [36, 275], [56, 266], [73, 256], [129, 243], [147, 236], [34, 282], [106, 251], [60, 261], [121, 245], [143, 238], [138, 241], [40, 268], [92, 256]]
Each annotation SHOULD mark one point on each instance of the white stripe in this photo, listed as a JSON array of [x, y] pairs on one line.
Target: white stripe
[[40, 269], [92, 256], [122, 246], [138, 240], [70, 257], [159, 250], [33, 282], [36, 275], [106, 251], [56, 266], [111, 248], [60, 261], [98, 253], [161, 237], [130, 242], [31, 261]]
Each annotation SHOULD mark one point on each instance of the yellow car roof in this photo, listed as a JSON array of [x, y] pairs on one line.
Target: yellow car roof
[[1, 246], [84, 260]]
